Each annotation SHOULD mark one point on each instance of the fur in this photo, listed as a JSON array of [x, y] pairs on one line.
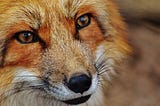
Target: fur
[[26, 69]]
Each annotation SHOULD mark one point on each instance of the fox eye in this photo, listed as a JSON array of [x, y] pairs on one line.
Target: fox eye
[[83, 21], [26, 37]]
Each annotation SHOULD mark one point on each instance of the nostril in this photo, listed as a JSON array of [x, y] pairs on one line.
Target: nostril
[[80, 83]]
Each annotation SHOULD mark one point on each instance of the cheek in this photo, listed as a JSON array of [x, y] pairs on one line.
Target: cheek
[[99, 52], [26, 73], [92, 36], [22, 54], [6, 78]]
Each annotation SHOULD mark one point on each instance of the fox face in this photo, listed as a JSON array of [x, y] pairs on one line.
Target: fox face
[[56, 52]]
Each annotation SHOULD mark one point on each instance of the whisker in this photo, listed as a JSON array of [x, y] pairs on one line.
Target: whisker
[[104, 64], [101, 57], [13, 91], [20, 86], [38, 86], [5, 96], [24, 76], [104, 69], [29, 76], [104, 54], [18, 82]]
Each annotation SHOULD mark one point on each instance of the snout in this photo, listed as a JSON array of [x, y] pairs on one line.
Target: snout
[[79, 83], [74, 89]]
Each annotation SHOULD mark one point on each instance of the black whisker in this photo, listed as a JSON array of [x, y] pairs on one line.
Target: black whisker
[[103, 55], [20, 87], [106, 68], [102, 72]]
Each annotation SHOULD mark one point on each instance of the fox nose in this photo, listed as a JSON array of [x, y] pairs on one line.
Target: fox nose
[[79, 83]]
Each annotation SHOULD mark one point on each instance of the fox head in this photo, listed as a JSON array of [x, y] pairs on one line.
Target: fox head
[[56, 51]]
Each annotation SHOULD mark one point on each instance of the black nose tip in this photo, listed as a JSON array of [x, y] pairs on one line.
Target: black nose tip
[[79, 83]]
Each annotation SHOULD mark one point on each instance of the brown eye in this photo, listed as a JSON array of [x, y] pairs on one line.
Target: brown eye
[[26, 37], [83, 21]]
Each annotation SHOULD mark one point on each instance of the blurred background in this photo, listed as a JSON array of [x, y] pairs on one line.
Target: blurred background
[[138, 83]]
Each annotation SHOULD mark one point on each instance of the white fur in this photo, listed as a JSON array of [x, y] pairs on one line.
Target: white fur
[[99, 52], [24, 75], [37, 98], [107, 71], [32, 99]]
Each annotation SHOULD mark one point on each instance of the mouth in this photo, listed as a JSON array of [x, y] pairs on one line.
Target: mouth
[[77, 100]]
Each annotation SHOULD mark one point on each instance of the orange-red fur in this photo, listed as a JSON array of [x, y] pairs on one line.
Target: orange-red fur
[[54, 21]]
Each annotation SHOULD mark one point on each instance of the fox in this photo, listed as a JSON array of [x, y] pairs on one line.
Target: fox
[[59, 52]]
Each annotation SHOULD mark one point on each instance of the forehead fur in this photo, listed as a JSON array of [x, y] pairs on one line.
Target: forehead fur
[[35, 14], [52, 17], [50, 8], [46, 13]]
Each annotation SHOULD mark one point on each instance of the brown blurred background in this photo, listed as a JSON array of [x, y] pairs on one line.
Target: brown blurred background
[[138, 83]]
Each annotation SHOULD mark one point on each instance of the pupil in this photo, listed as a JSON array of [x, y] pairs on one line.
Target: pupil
[[27, 37], [83, 20]]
